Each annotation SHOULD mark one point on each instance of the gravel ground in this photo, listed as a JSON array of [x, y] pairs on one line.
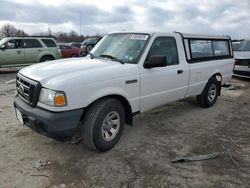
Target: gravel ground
[[143, 156]]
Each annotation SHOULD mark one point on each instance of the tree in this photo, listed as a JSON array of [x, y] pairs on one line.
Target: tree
[[21, 33], [10, 31], [72, 36]]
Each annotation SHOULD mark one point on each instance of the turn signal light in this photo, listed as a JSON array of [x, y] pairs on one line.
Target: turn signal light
[[60, 99]]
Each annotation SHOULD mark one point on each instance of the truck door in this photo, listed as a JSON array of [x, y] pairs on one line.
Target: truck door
[[13, 53], [161, 85]]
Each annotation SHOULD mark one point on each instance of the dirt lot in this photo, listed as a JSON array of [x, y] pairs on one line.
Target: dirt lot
[[142, 158]]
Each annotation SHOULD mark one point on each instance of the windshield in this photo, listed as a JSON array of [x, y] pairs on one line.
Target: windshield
[[3, 41], [125, 47], [236, 45], [244, 46]]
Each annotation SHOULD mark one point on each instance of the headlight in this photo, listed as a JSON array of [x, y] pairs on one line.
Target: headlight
[[52, 98]]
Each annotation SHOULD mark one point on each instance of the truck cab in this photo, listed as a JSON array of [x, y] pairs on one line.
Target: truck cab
[[126, 73]]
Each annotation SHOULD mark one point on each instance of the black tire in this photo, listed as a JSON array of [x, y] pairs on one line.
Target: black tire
[[83, 53], [47, 58], [93, 124], [208, 97]]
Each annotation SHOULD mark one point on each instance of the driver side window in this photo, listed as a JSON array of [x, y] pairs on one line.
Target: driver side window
[[13, 44], [165, 46]]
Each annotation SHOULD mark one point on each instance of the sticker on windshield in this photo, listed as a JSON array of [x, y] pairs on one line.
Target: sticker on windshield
[[139, 37]]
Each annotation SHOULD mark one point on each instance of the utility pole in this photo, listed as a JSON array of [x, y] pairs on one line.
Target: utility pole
[[49, 31], [80, 24]]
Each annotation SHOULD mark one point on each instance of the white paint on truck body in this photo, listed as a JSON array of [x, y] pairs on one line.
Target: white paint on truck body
[[85, 80]]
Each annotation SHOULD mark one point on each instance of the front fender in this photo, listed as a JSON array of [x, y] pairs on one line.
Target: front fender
[[82, 96], [106, 92], [133, 100]]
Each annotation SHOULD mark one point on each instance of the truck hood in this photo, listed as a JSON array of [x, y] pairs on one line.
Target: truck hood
[[54, 73], [242, 54]]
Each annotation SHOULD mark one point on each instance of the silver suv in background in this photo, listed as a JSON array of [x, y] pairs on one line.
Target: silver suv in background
[[22, 51]]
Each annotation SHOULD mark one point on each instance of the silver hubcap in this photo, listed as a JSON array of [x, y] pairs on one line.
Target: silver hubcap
[[110, 126], [212, 92]]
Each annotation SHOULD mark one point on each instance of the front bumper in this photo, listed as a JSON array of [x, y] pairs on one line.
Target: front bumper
[[242, 71], [244, 74], [57, 125]]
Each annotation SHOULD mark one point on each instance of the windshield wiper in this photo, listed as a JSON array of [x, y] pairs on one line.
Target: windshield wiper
[[112, 58]]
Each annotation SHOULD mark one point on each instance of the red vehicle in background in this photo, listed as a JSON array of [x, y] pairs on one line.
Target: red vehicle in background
[[69, 51]]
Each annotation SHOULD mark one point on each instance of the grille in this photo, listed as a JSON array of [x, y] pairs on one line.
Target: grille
[[242, 62], [28, 89], [242, 73]]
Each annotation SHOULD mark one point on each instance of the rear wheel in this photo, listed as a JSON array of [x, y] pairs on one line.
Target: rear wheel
[[103, 124], [210, 93], [46, 58]]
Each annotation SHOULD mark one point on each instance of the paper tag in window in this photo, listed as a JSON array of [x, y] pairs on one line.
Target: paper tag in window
[[139, 37]]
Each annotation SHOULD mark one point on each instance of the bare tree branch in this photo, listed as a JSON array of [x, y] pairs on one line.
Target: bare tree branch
[[11, 31]]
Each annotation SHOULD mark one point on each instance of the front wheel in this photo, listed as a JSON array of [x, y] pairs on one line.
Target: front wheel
[[210, 93], [103, 124]]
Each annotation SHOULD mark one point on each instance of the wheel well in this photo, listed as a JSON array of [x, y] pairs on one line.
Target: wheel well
[[46, 56], [125, 103], [218, 77]]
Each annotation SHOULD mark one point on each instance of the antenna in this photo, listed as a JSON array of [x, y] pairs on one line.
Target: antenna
[[80, 23]]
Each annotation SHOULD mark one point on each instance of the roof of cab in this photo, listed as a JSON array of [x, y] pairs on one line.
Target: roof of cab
[[137, 32], [185, 35], [189, 35]]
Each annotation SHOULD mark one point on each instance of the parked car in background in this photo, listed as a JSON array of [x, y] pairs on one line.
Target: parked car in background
[[22, 51], [242, 59], [75, 44], [236, 44], [69, 51], [88, 44]]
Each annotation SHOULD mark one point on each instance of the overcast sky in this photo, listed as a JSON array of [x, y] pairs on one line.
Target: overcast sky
[[230, 17]]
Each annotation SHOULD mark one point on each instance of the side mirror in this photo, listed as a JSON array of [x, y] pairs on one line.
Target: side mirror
[[155, 61], [2, 47]]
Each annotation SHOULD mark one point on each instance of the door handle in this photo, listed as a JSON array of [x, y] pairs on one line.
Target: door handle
[[40, 50], [18, 51], [131, 81], [180, 71]]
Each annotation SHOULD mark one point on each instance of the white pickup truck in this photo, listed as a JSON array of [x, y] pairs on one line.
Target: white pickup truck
[[125, 74]]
